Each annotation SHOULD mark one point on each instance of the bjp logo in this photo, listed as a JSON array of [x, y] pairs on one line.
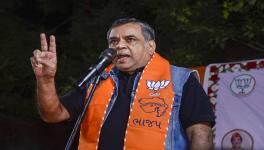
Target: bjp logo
[[153, 105], [157, 85]]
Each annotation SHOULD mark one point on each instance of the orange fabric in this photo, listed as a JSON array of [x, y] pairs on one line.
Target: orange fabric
[[148, 130], [201, 72], [150, 113], [91, 125]]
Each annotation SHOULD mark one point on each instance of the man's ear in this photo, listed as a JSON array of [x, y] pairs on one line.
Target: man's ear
[[151, 47]]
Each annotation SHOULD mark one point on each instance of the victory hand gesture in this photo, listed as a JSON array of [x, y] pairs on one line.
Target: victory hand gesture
[[44, 61]]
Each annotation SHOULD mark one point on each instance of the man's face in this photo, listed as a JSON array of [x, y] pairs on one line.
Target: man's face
[[132, 50], [236, 143]]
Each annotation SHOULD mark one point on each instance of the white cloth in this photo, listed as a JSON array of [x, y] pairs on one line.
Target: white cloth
[[239, 97]]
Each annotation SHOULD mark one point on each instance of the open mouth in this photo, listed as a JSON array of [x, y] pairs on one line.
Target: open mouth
[[119, 56]]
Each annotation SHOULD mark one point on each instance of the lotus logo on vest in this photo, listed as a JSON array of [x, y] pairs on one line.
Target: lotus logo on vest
[[153, 105], [156, 85]]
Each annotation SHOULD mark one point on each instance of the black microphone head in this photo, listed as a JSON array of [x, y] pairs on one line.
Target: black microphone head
[[108, 54], [105, 59]]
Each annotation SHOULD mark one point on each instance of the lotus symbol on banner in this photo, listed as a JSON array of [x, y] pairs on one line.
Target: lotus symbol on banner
[[243, 84]]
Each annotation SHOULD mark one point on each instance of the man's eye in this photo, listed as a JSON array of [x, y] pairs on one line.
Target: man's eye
[[129, 40], [113, 42]]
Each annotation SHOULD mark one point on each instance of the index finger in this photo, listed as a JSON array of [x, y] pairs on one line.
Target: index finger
[[52, 44], [43, 42]]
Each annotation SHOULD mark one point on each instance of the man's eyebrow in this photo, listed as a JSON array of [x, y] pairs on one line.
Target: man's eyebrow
[[113, 37], [131, 35], [126, 36]]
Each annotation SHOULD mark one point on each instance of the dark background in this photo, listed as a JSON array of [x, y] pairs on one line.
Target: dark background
[[189, 33]]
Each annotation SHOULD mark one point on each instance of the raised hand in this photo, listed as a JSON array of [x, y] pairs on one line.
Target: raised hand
[[44, 61]]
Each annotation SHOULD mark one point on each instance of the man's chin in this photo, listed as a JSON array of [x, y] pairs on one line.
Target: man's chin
[[124, 68]]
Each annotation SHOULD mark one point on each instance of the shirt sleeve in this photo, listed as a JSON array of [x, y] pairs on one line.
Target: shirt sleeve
[[195, 104], [73, 102]]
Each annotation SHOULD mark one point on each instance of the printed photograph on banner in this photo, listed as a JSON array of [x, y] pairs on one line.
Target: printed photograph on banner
[[237, 139]]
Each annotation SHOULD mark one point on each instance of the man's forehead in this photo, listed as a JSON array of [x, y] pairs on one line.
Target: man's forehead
[[126, 30]]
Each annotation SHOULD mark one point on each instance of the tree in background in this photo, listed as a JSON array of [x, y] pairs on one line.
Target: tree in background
[[189, 33]]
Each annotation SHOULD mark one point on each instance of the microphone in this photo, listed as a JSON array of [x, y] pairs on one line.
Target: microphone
[[105, 59]]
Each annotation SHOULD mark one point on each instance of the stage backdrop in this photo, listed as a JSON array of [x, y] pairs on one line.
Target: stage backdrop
[[236, 91]]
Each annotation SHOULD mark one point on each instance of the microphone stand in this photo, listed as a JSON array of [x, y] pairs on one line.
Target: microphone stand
[[82, 114]]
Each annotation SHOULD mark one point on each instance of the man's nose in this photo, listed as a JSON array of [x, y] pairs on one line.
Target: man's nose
[[121, 44]]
